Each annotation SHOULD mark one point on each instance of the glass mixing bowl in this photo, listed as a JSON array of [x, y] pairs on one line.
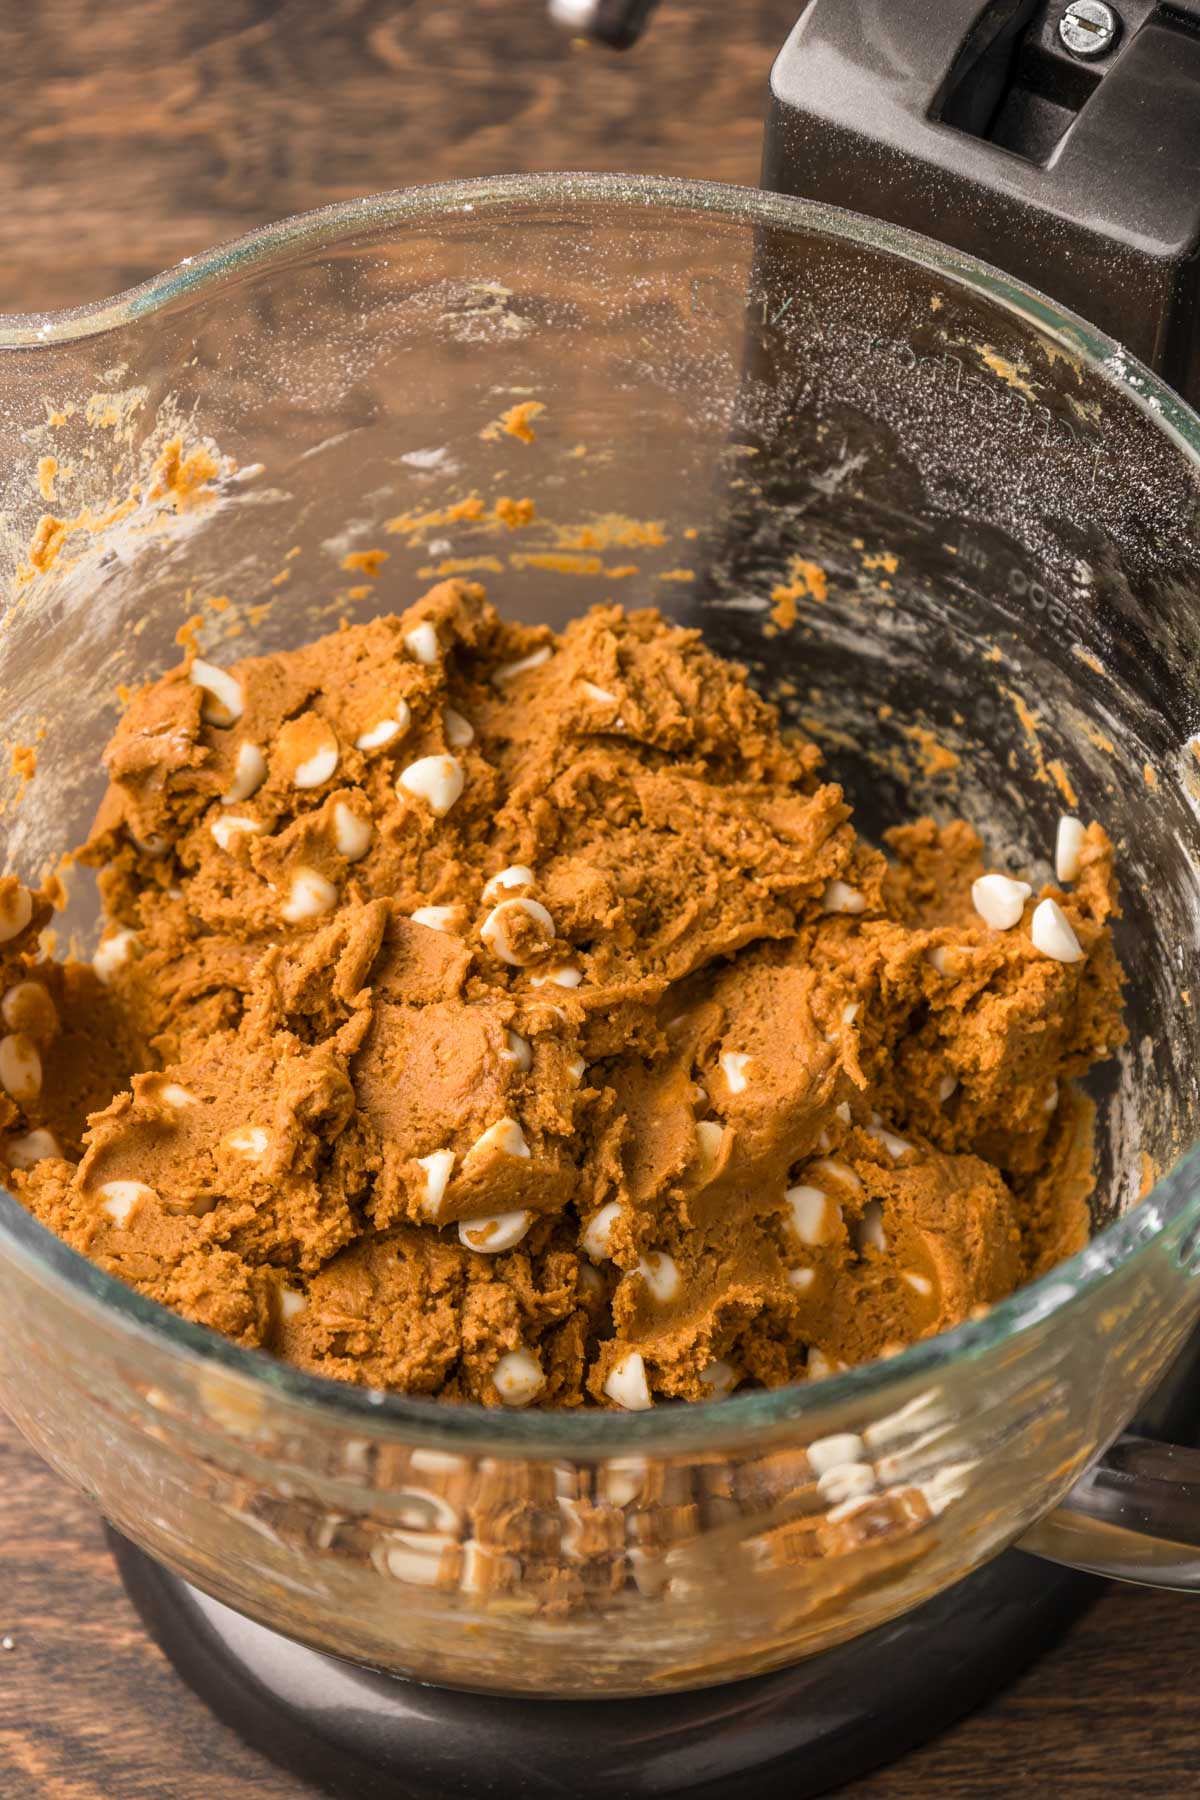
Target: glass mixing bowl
[[733, 390]]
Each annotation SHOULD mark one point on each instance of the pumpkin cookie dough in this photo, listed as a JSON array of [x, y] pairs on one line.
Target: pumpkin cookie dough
[[513, 1017]]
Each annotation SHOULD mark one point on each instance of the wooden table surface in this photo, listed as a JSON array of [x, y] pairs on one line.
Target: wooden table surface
[[137, 133]]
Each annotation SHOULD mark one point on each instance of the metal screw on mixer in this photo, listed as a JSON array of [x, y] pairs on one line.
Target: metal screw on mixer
[[1089, 28]]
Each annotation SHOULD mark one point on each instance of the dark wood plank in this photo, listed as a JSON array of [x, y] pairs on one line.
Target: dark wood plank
[[140, 132], [89, 1709]]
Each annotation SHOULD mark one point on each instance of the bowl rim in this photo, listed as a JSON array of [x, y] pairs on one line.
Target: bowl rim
[[1173, 1202]]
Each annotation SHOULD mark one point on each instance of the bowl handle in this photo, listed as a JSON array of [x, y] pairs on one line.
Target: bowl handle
[[1135, 1516]]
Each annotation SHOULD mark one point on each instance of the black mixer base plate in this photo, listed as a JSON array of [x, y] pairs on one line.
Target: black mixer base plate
[[359, 1735]]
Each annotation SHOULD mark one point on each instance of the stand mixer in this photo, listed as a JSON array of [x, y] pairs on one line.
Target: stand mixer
[[1012, 133]]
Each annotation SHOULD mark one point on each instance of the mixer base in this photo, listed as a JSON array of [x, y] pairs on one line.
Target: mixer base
[[352, 1732]]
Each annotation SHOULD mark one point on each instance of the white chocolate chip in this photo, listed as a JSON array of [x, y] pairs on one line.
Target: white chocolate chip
[[172, 1094], [815, 1218], [33, 1147], [516, 875], [235, 825], [1068, 848], [846, 1509], [436, 1167], [154, 845], [920, 1284], [836, 1171], [937, 959], [20, 1067], [351, 835], [895, 1146], [949, 1484], [869, 1233], [422, 643], [500, 1231], [1052, 934], [509, 671], [459, 731], [592, 1280], [484, 1570], [28, 1007], [1051, 1100], [831, 1452], [733, 1066], [438, 1462], [801, 1279], [224, 701], [564, 975], [113, 953], [438, 918], [919, 1423], [309, 896], [1000, 901], [577, 1069], [850, 1012], [719, 1377], [622, 1480], [415, 1558], [119, 1198], [842, 1109], [496, 928], [438, 780], [661, 1275], [15, 913], [650, 1570], [819, 1365], [505, 1136], [600, 695], [292, 1303], [518, 1378], [848, 1481], [709, 1139], [946, 1086], [627, 1384], [423, 1510], [249, 773], [316, 769], [597, 1239], [517, 1050], [387, 729], [250, 1141], [840, 897]]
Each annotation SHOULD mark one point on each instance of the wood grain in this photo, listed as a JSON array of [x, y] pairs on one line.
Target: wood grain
[[140, 132]]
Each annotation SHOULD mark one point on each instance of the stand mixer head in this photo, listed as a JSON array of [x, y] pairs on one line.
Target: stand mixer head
[[1013, 130]]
